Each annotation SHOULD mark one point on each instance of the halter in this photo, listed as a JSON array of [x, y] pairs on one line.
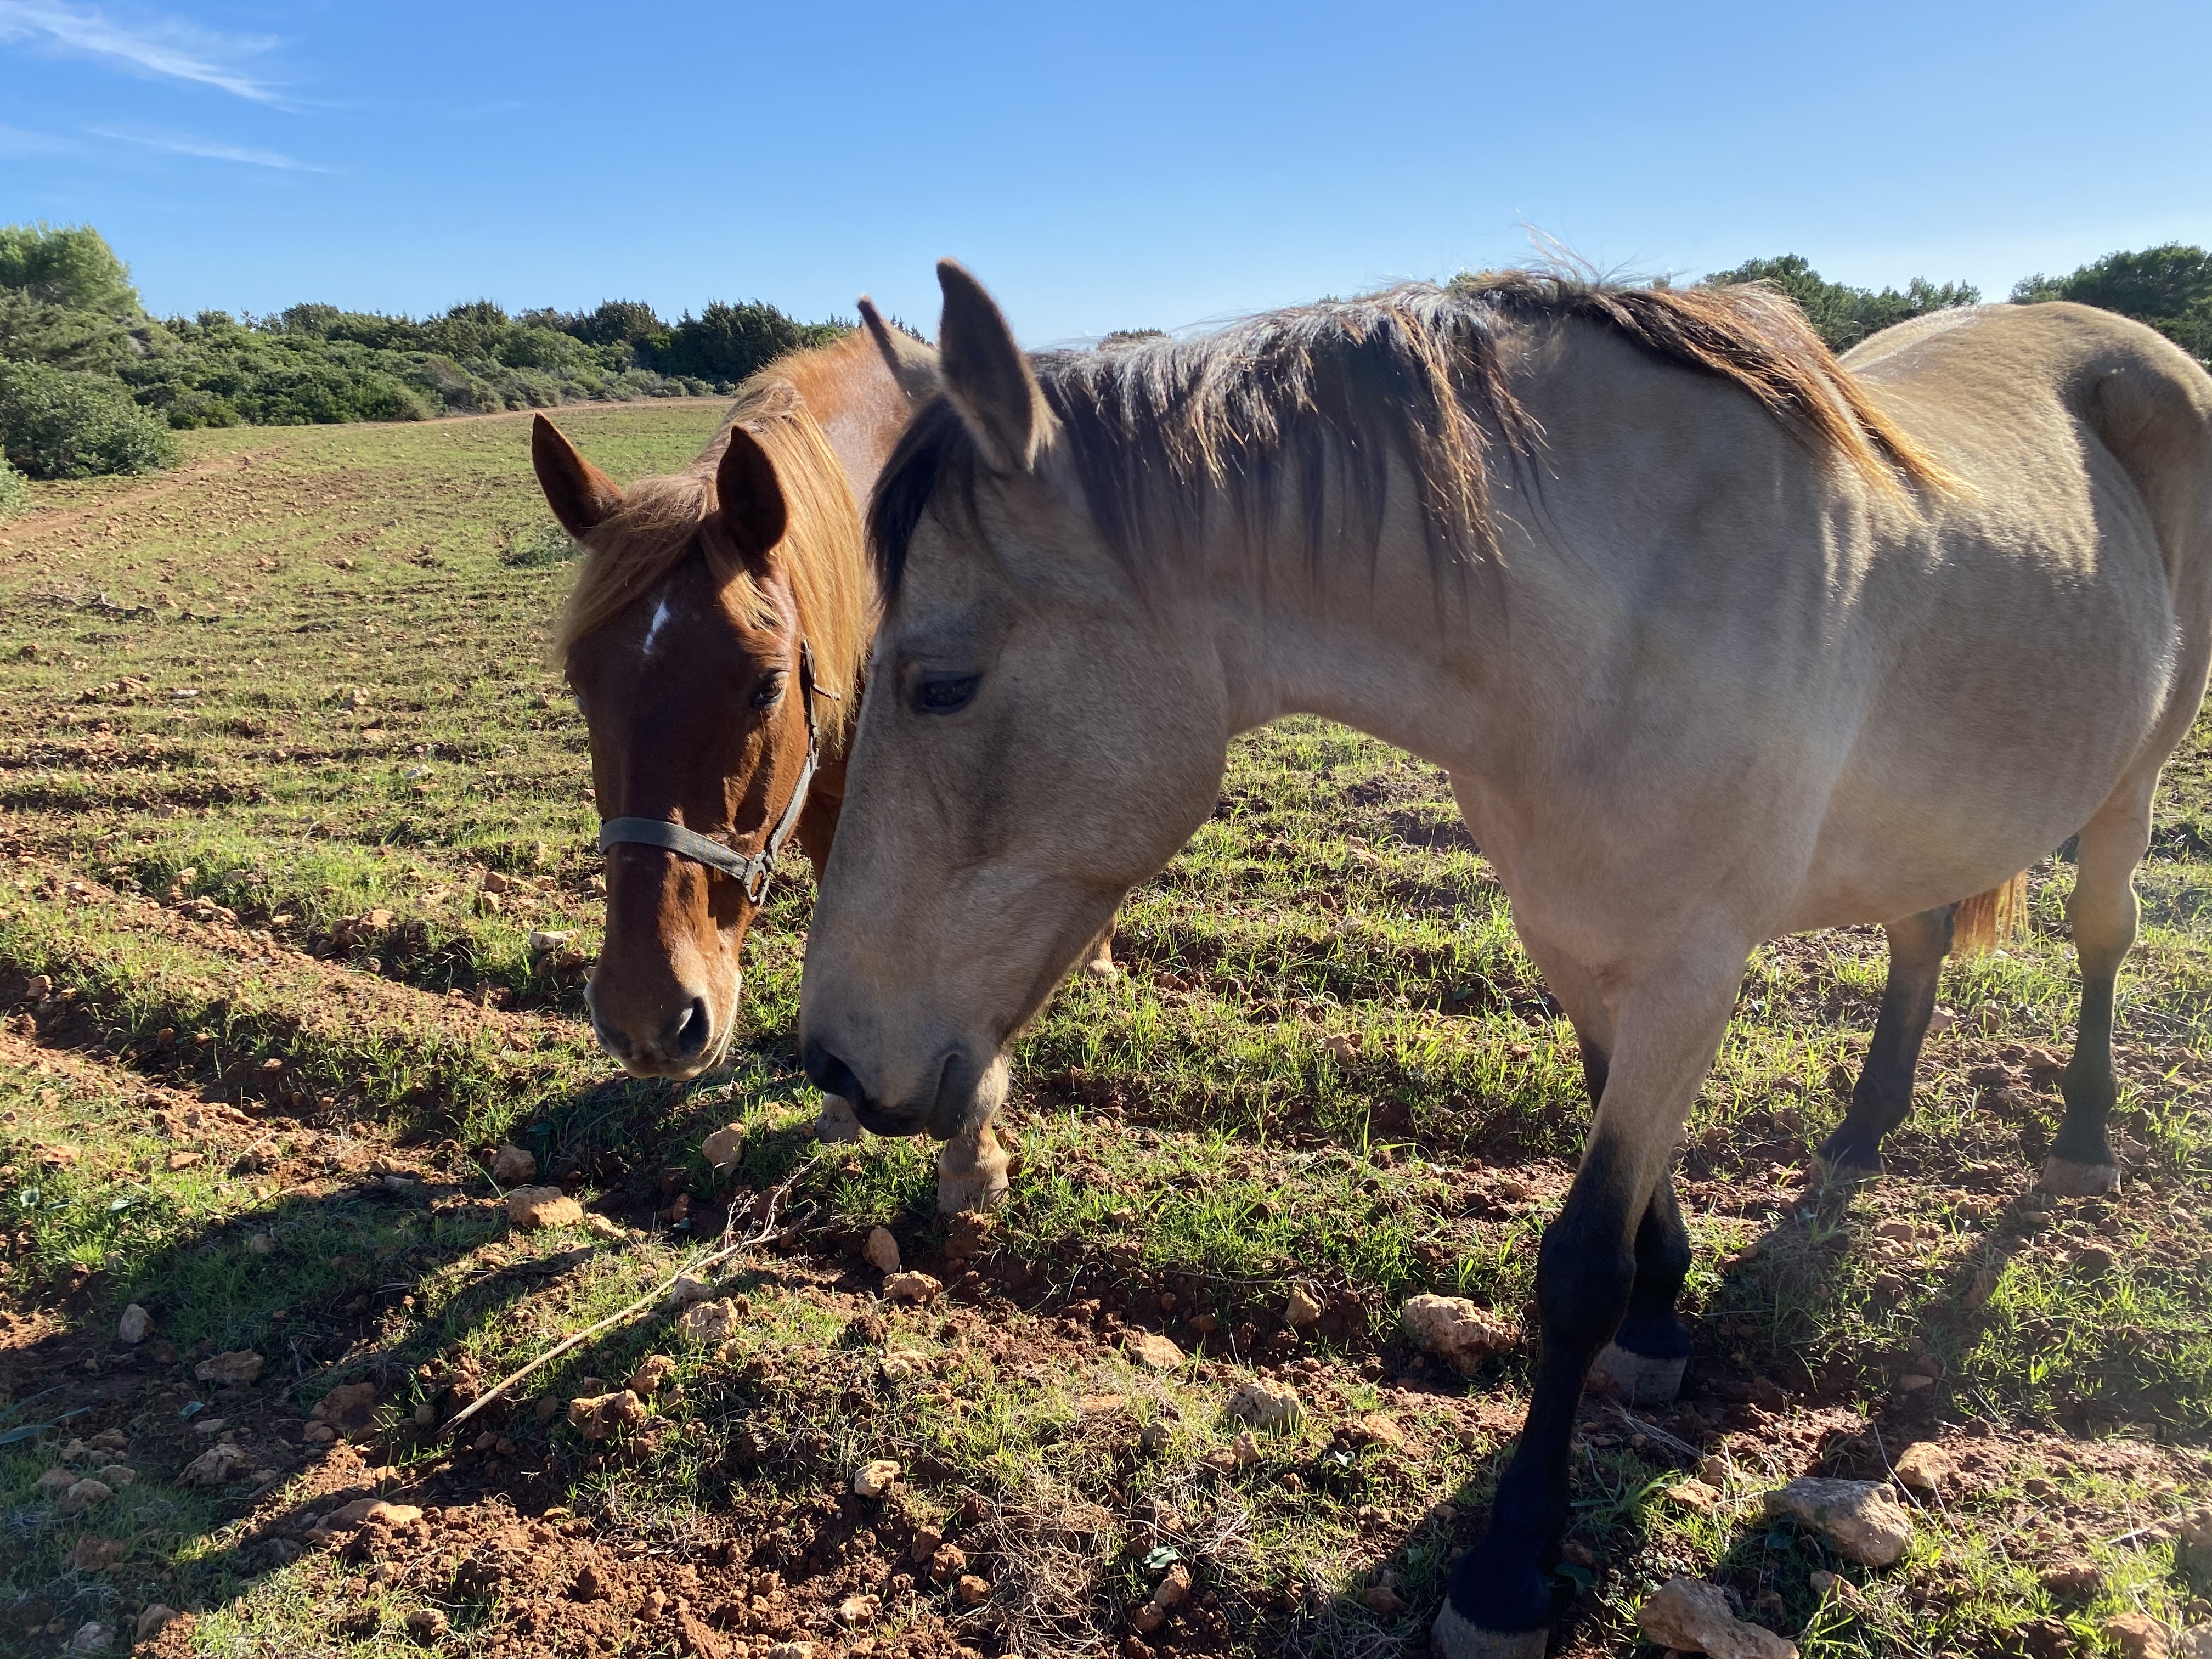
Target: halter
[[753, 872]]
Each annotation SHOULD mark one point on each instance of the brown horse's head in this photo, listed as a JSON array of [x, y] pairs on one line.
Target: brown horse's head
[[683, 643]]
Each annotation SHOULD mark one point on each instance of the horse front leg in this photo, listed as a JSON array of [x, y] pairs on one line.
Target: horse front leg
[[1667, 1023], [971, 1170], [1883, 1094]]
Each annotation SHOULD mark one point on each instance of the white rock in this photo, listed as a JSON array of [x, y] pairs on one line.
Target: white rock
[[882, 1251], [1860, 1518], [1302, 1310], [875, 1478], [1453, 1329], [1265, 1405], [720, 1149], [1694, 1617], [910, 1287], [135, 1325]]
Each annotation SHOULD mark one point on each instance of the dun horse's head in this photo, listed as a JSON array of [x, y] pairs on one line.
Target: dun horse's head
[[683, 648], [1040, 735]]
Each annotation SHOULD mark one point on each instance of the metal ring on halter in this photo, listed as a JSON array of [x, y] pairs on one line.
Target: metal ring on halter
[[754, 872]]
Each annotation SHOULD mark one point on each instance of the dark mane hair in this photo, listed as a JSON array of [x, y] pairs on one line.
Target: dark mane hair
[[1316, 402]]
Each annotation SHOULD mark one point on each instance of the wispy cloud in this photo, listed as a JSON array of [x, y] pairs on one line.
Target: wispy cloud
[[18, 141], [153, 45], [210, 150]]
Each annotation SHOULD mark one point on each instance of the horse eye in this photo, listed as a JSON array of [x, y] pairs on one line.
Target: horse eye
[[943, 693], [770, 689]]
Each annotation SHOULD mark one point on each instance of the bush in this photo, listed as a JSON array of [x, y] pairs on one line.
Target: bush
[[1842, 315], [14, 493], [55, 423], [2170, 288]]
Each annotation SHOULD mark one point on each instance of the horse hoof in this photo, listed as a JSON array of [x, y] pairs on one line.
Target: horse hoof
[[1453, 1638], [1636, 1379], [971, 1174], [836, 1123], [2064, 1178], [1843, 1172]]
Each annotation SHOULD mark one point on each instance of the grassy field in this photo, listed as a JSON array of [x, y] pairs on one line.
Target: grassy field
[[289, 786]]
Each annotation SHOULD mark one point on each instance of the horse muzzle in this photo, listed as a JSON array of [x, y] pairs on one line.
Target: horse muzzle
[[956, 1103]]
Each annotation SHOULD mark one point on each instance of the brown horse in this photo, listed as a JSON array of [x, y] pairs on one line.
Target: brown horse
[[715, 640]]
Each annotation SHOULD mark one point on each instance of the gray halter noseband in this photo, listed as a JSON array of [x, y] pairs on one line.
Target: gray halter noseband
[[755, 871]]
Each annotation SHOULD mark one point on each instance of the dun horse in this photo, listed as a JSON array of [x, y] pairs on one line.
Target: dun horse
[[1718, 638], [715, 639]]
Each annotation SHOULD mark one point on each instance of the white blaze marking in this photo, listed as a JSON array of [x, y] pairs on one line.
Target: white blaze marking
[[660, 617]]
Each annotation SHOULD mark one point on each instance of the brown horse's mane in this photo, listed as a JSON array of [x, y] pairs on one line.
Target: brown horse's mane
[[1313, 402], [661, 521]]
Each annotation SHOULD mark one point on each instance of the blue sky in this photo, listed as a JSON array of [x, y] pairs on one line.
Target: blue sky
[[1129, 166]]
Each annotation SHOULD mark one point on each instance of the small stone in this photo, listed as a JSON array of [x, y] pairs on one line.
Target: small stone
[[350, 1408], [92, 1637], [1302, 1310], [1174, 1588], [530, 1208], [792, 1651], [857, 1610], [720, 1149], [512, 1166], [1376, 1429], [588, 1585], [118, 1475], [709, 1321], [1382, 1600], [915, 1287], [1693, 1495], [1151, 1350], [428, 1623], [1859, 1518], [2138, 1636], [1265, 1405], [928, 1541], [1453, 1329], [2074, 1578], [1343, 1048], [241, 1366], [97, 1554], [654, 1371], [372, 1512], [56, 1481], [134, 1326], [875, 1478], [947, 1562], [1896, 1231], [2093, 1262], [882, 1250], [1925, 1467], [260, 1244], [602, 1416], [215, 1466], [545, 941], [976, 1591], [1694, 1617], [1147, 1617], [86, 1494], [154, 1619], [599, 1227], [1713, 1470], [321, 1434], [1244, 1450], [687, 1290]]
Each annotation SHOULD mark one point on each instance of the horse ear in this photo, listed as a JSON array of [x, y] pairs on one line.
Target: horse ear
[[912, 364], [751, 497], [985, 375], [581, 496]]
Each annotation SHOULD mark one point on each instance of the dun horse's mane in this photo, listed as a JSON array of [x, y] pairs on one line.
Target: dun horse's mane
[[661, 521], [1311, 404]]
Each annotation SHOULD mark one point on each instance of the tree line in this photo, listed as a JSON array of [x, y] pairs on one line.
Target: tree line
[[90, 384]]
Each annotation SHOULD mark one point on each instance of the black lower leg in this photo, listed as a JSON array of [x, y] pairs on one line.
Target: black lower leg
[[1585, 1274], [1594, 1069], [1649, 1329], [2088, 1082], [1883, 1094]]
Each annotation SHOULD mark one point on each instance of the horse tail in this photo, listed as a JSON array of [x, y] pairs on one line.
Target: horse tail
[[1989, 920]]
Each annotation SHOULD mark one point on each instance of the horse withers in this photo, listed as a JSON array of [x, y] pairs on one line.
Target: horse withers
[[1718, 638], [715, 639]]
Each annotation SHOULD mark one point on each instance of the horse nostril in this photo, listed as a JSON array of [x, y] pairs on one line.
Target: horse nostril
[[691, 1035], [831, 1075]]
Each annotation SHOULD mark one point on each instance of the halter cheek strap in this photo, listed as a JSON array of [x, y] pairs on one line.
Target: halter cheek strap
[[753, 872]]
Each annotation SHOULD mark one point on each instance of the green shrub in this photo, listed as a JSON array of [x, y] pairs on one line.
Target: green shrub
[[2170, 288], [1843, 315], [14, 493], [69, 266], [55, 423]]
